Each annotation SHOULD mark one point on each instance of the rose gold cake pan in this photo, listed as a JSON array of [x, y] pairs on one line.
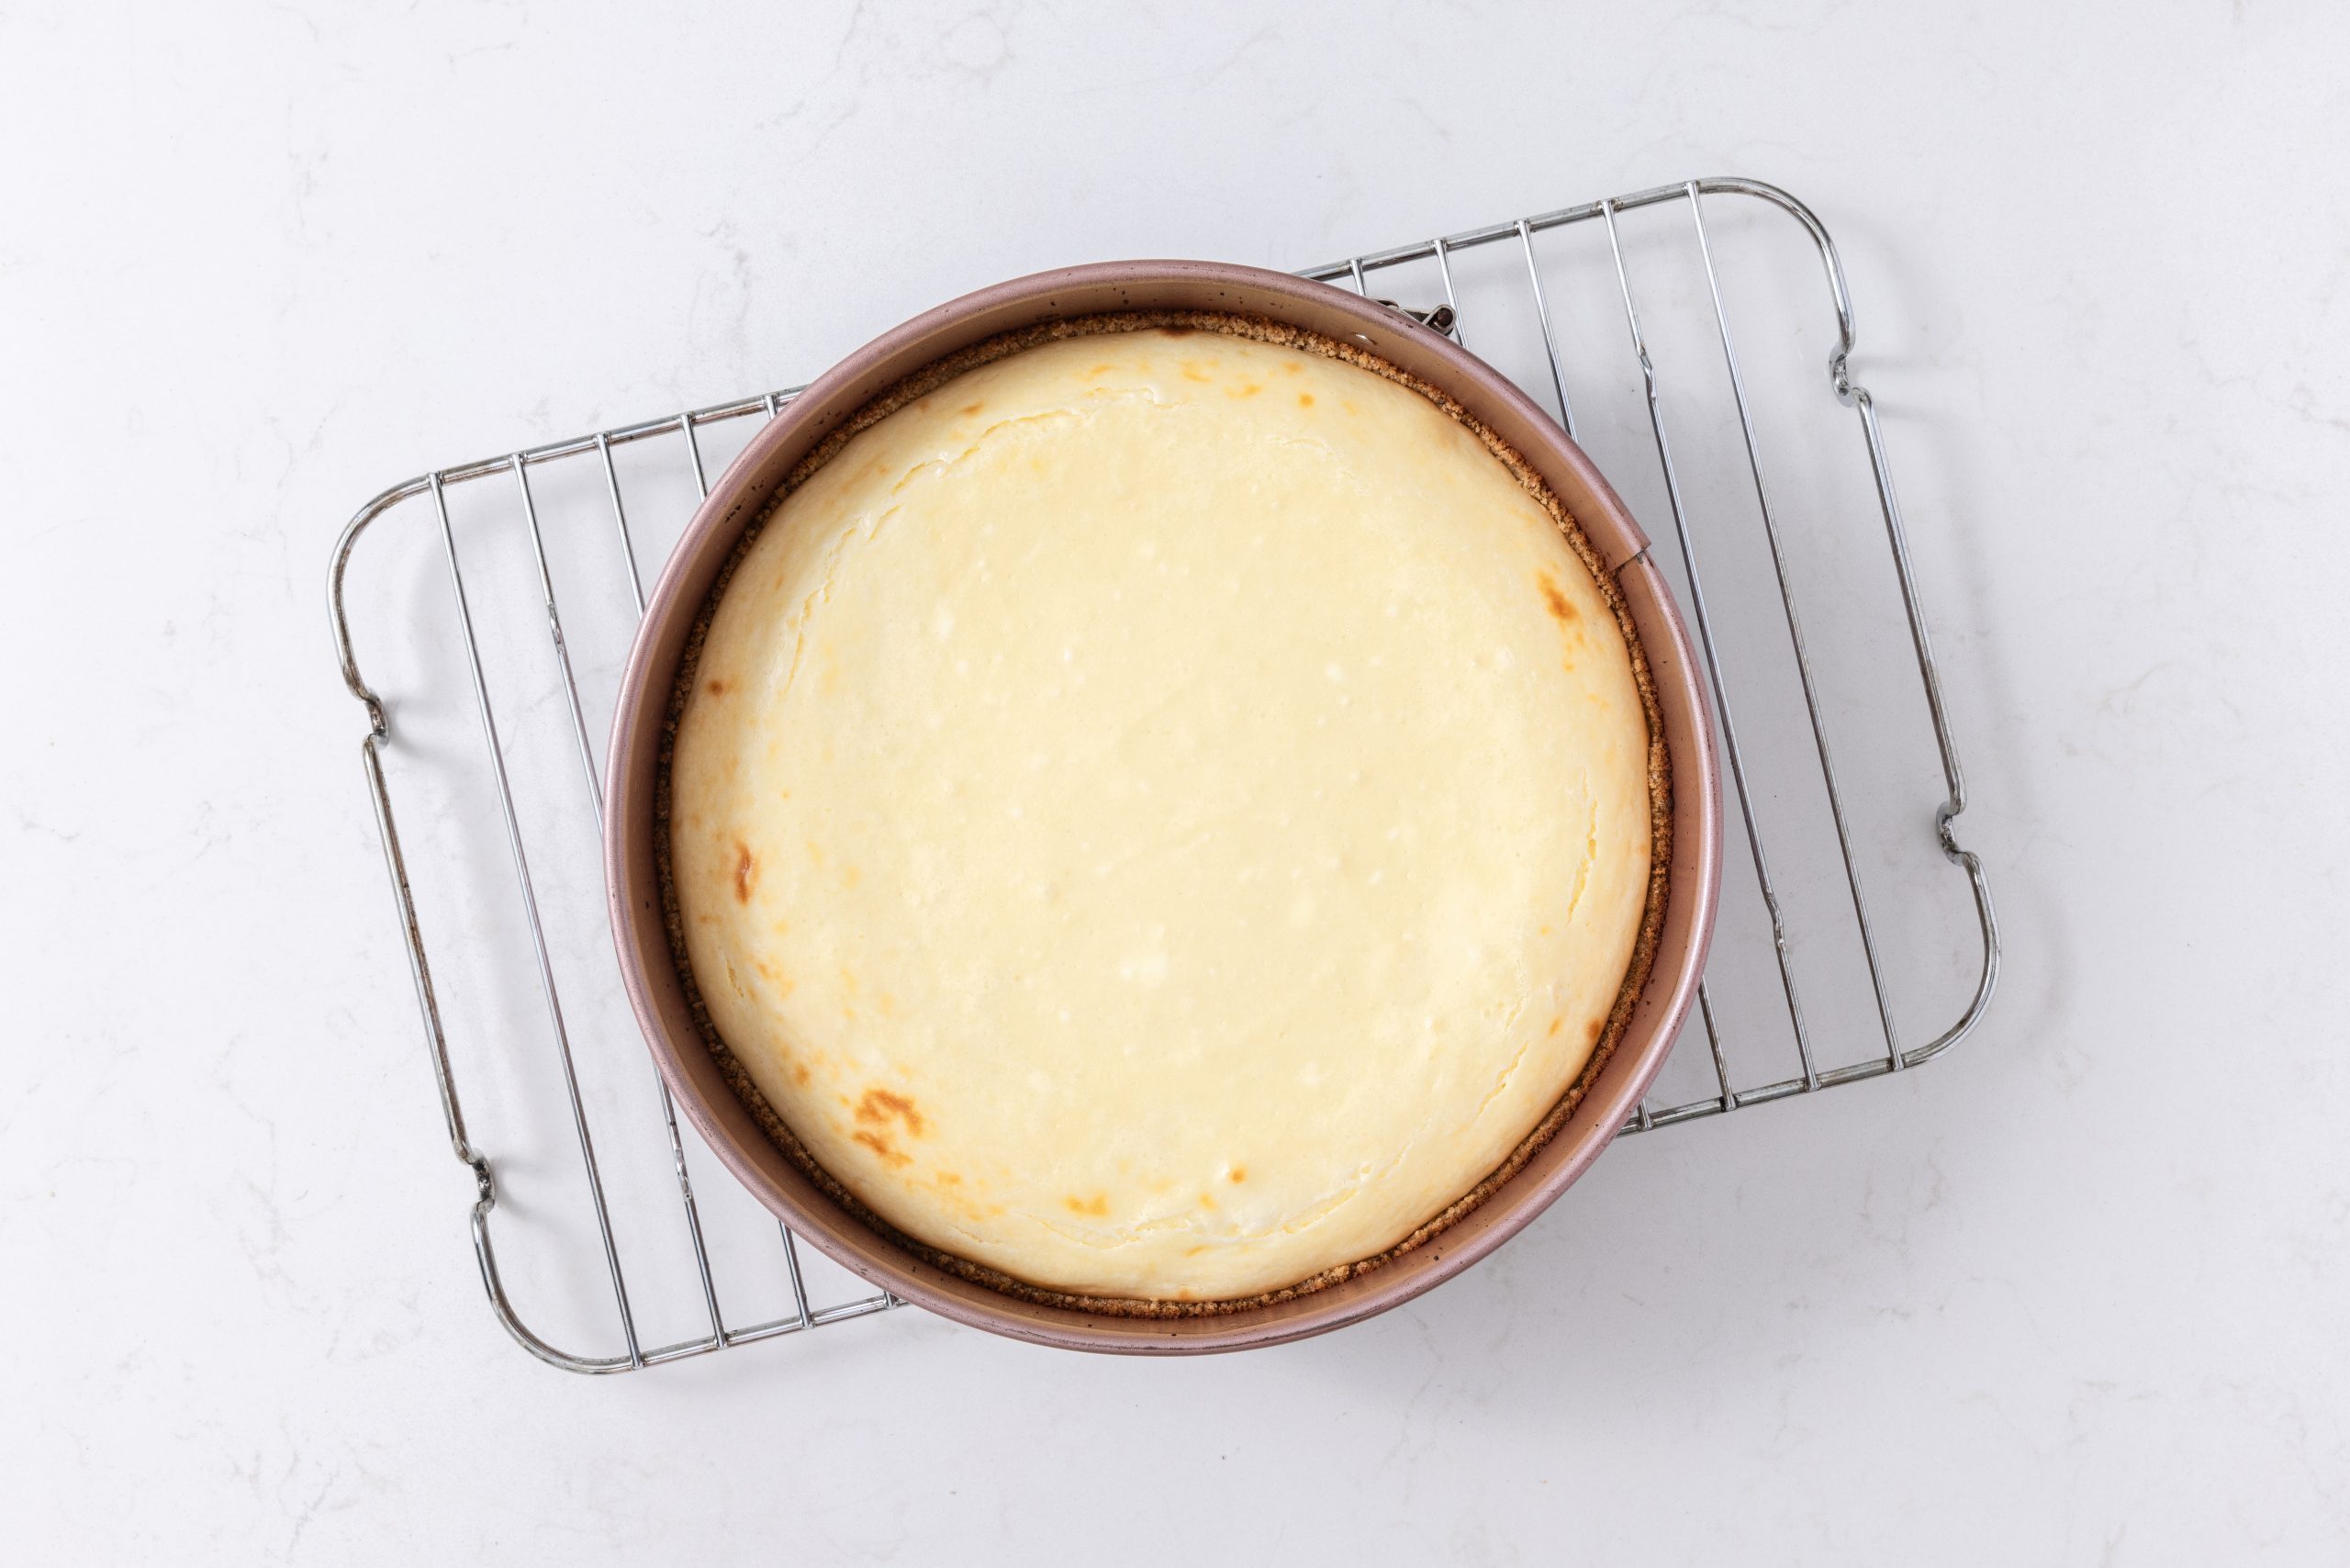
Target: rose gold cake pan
[[632, 868]]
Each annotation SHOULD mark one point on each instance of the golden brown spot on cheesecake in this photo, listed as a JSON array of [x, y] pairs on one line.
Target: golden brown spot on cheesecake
[[1556, 1024], [715, 686], [884, 1148], [948, 1185], [973, 408], [1097, 1206], [851, 876], [799, 1074], [1246, 389], [1239, 1174], [746, 872], [881, 1106], [1207, 1200], [1592, 1031], [1305, 399], [1561, 612]]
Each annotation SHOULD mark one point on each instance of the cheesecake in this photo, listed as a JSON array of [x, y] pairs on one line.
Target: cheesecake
[[1165, 812]]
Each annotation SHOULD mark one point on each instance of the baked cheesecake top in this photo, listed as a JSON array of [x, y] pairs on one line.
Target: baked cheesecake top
[[1162, 815]]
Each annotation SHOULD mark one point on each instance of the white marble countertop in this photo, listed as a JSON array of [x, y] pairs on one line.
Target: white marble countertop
[[2075, 1293]]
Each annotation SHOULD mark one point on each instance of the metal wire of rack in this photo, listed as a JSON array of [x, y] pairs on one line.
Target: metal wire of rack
[[1725, 1091]]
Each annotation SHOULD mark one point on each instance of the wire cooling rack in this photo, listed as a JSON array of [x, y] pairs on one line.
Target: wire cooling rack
[[1594, 308]]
